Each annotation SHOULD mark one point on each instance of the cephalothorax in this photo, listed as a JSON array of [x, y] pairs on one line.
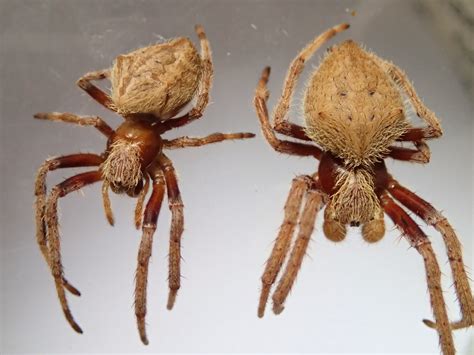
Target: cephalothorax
[[149, 87], [355, 117]]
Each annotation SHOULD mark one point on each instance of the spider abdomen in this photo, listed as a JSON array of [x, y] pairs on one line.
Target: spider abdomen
[[352, 108], [159, 79]]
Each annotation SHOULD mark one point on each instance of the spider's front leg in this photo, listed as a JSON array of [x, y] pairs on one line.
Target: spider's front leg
[[67, 161], [54, 248], [418, 240], [282, 244], [177, 226], [432, 217], [315, 200], [150, 217]]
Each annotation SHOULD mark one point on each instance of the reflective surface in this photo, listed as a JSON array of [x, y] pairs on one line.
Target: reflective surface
[[350, 297]]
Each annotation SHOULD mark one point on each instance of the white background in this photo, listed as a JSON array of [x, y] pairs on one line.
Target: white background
[[349, 297]]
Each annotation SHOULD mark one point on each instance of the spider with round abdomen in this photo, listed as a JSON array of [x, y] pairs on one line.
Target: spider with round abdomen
[[150, 86], [355, 115]]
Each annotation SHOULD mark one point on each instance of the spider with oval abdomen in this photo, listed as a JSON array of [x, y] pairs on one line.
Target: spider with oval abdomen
[[355, 113], [149, 87]]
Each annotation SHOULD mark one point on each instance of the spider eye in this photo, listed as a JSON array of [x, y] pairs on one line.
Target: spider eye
[[371, 92], [342, 94]]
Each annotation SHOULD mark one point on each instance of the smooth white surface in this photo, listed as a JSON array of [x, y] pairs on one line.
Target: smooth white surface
[[349, 297]]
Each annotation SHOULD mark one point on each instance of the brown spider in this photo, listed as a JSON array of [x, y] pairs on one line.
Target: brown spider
[[354, 111], [149, 87]]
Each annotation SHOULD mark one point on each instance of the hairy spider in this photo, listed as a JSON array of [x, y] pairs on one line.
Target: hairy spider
[[149, 87], [355, 113]]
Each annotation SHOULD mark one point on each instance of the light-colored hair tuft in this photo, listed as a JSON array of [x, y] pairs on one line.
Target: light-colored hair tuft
[[123, 164]]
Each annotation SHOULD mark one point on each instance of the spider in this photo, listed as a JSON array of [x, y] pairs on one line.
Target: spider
[[354, 114], [149, 87]]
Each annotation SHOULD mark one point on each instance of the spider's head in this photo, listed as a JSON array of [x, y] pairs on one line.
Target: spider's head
[[129, 153], [352, 107], [122, 169], [158, 80]]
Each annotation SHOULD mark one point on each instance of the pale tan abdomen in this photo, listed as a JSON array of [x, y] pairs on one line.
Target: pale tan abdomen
[[158, 79]]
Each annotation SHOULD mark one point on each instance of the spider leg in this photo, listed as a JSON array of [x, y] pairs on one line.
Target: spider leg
[[205, 86], [141, 201], [94, 121], [280, 119], [107, 205], [419, 155], [433, 128], [292, 148], [417, 239], [97, 94], [67, 161], [315, 200], [434, 218], [282, 244], [177, 227], [184, 142], [152, 210], [71, 184]]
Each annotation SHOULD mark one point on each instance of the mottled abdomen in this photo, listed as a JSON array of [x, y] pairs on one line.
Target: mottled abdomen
[[159, 79]]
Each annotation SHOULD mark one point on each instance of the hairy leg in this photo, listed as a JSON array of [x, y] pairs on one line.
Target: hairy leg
[[315, 200], [418, 240], [93, 121], [67, 161], [204, 87], [421, 154], [282, 244], [177, 227], [150, 217], [54, 248], [97, 94], [141, 201], [184, 142], [433, 128], [292, 148], [107, 205], [280, 120], [434, 218]]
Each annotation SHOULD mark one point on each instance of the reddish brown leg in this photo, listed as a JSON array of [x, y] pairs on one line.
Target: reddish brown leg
[[54, 248], [434, 218], [140, 202], [420, 155], [93, 121], [420, 242], [204, 87], [282, 244], [315, 200], [177, 227], [184, 142], [97, 94], [260, 102], [150, 217], [67, 161]]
